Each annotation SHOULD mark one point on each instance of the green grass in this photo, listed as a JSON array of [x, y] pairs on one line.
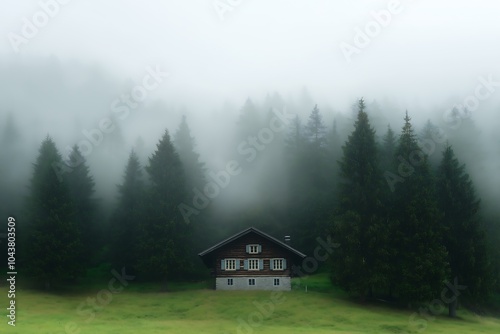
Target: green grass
[[190, 308]]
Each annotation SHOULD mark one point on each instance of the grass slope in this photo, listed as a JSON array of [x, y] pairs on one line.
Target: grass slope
[[192, 309]]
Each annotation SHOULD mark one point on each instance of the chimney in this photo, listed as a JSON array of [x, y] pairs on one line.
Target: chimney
[[288, 240]]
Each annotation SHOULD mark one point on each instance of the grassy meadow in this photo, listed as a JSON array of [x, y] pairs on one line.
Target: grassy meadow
[[194, 308]]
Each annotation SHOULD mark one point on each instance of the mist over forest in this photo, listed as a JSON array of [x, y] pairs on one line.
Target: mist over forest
[[68, 100], [181, 124]]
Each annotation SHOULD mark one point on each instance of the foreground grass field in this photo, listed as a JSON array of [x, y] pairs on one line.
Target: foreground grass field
[[191, 308]]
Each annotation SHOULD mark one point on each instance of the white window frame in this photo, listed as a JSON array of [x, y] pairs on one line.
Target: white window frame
[[250, 281], [253, 249], [230, 281], [230, 264], [276, 282], [253, 264], [277, 261]]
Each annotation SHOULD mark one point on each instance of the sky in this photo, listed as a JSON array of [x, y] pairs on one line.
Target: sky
[[426, 52]]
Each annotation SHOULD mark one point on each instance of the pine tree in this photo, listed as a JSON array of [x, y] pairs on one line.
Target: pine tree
[[358, 222], [164, 245], [422, 261], [315, 129], [464, 237], [10, 133], [296, 140], [54, 238], [81, 188], [333, 155], [387, 150], [301, 211], [185, 145], [430, 138], [249, 122], [127, 216], [316, 150], [359, 168], [10, 167]]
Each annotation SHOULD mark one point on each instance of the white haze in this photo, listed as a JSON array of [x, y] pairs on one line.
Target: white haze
[[426, 60]]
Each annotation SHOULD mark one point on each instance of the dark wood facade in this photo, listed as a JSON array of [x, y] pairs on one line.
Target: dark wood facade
[[235, 247]]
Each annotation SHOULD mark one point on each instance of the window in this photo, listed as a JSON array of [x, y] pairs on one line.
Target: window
[[230, 264], [253, 264], [276, 281], [277, 264], [251, 281], [254, 249], [230, 281]]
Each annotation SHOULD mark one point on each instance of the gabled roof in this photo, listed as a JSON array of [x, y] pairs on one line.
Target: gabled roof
[[247, 231]]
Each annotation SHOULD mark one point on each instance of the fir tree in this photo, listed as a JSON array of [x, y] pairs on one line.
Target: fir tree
[[315, 128], [164, 244], [127, 216], [387, 150], [422, 262], [464, 237], [81, 188], [54, 239], [185, 145], [358, 222], [430, 139]]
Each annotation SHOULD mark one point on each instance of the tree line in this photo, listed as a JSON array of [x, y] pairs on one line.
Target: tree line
[[406, 222], [406, 240]]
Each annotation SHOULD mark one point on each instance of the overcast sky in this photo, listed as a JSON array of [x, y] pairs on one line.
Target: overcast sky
[[428, 51]]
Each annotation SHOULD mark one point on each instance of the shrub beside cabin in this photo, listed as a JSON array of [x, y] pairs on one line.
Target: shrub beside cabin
[[252, 260]]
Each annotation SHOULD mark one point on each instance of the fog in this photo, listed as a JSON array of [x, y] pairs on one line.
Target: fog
[[70, 72]]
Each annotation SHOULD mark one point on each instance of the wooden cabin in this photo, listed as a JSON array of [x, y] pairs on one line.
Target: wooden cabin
[[252, 260]]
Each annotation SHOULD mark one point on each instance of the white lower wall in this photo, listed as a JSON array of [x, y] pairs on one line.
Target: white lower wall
[[261, 283]]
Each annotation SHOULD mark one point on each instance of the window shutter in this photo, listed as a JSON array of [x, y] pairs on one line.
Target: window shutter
[[261, 264], [223, 264], [237, 264], [284, 264], [248, 248], [259, 248], [245, 264], [271, 264]]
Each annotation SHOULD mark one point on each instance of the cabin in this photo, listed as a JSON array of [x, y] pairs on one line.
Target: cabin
[[252, 260]]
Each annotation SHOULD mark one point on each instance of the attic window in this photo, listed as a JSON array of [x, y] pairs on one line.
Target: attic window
[[254, 249]]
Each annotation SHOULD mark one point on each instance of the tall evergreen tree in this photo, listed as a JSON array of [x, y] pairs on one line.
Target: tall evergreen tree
[[127, 216], [249, 122], [464, 237], [10, 133], [10, 170], [315, 128], [387, 150], [81, 188], [333, 140], [422, 262], [358, 222], [164, 244], [333, 155], [296, 139], [54, 238], [185, 145], [430, 138]]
